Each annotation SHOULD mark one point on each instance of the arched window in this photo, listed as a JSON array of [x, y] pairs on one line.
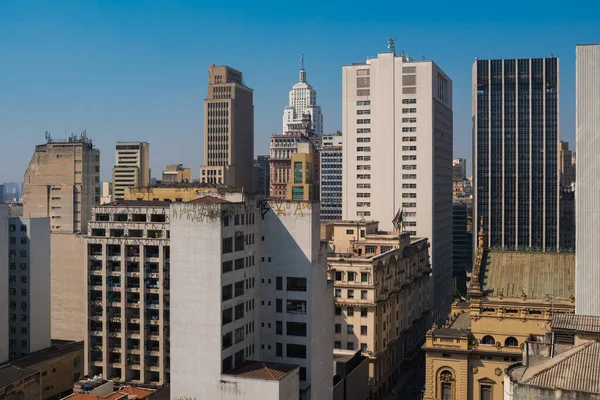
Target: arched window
[[511, 342], [488, 340], [446, 382]]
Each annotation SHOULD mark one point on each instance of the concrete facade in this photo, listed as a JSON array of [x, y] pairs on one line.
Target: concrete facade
[[331, 178], [29, 281], [397, 125], [228, 130], [127, 257], [4, 296], [132, 167], [303, 100], [588, 179], [176, 174]]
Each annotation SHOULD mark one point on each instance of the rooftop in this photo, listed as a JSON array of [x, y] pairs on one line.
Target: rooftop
[[57, 348], [209, 200], [263, 370], [124, 393], [576, 323], [577, 369], [186, 185], [10, 374], [537, 274], [136, 203], [462, 321]]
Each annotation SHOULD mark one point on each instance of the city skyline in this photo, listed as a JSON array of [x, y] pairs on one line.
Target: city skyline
[[116, 76]]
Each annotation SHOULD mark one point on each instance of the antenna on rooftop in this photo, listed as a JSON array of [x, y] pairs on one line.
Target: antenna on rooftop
[[48, 136], [302, 60], [392, 44]]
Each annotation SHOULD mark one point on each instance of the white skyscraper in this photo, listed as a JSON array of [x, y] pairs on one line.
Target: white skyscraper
[[397, 154], [587, 221], [303, 100]]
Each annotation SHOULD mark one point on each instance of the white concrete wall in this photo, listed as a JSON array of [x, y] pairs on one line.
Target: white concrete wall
[[4, 352], [291, 248], [587, 278], [38, 230], [237, 388]]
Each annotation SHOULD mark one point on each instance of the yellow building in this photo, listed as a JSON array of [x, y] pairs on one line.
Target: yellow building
[[301, 185], [176, 174], [511, 295], [381, 290], [175, 192]]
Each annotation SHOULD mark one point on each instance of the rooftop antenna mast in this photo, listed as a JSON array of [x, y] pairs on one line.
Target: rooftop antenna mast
[[392, 44], [302, 60]]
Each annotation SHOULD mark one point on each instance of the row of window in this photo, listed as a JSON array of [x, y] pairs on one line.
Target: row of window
[[364, 294], [350, 312], [364, 276], [350, 329], [350, 346]]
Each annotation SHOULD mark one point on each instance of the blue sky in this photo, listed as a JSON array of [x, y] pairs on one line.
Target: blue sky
[[137, 70]]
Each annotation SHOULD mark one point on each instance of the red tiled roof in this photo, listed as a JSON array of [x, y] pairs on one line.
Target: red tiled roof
[[209, 200], [139, 392], [263, 370]]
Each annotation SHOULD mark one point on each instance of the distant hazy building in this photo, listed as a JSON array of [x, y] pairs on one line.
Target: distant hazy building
[[331, 178], [132, 167], [565, 164], [459, 169], [228, 130], [176, 174], [588, 179], [303, 100], [397, 152], [107, 192], [13, 191], [263, 176], [515, 139], [29, 285], [4, 330]]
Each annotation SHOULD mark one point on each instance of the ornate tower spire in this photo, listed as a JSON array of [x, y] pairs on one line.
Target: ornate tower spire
[[302, 70]]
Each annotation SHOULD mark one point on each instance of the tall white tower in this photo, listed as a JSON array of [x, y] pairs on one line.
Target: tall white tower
[[303, 100]]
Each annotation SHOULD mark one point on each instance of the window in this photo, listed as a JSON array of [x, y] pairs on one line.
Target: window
[[338, 292], [227, 292], [337, 344], [295, 329], [295, 350], [409, 129], [23, 240], [409, 110], [227, 244], [227, 363], [446, 383], [279, 328], [364, 348], [363, 294], [488, 340], [296, 284], [350, 329], [227, 315], [278, 350], [363, 329], [363, 140], [364, 149], [297, 172], [409, 195], [364, 277], [364, 312], [338, 311], [338, 276], [13, 240], [409, 120], [363, 130], [363, 102], [409, 167], [239, 288], [227, 266], [486, 392], [350, 293], [409, 148], [350, 345], [409, 176], [239, 243], [297, 192], [350, 311], [23, 228], [410, 157], [351, 276], [409, 139], [409, 186], [363, 121], [239, 335], [363, 82], [511, 342], [279, 283], [338, 328], [296, 307], [363, 112], [278, 305], [409, 101]]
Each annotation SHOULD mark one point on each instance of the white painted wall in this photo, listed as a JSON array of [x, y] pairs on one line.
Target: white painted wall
[[4, 352], [238, 388]]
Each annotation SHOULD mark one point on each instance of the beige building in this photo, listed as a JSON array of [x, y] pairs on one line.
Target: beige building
[[382, 298], [127, 257], [301, 185], [176, 174], [132, 167], [228, 130], [511, 295], [62, 182]]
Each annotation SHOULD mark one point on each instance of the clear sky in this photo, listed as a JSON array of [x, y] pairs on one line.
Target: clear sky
[[137, 70]]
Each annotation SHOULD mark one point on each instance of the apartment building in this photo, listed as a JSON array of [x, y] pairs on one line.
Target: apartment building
[[382, 297], [331, 178], [4, 330], [29, 285], [132, 167], [127, 255], [228, 129]]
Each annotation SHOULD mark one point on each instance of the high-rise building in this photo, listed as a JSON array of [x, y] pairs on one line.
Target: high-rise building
[[228, 130], [266, 298], [565, 164], [303, 100], [515, 146], [4, 331], [397, 152], [132, 167], [462, 243], [127, 270], [301, 185], [107, 192], [62, 182], [459, 169], [29, 285], [331, 178], [263, 176], [176, 174], [588, 180]]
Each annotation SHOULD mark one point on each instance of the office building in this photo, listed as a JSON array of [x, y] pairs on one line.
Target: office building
[[515, 146], [331, 178], [382, 300], [303, 100], [459, 169], [29, 285], [462, 244], [588, 179], [301, 185], [176, 174], [513, 296], [228, 130], [132, 167], [127, 258], [565, 164], [260, 310], [62, 182], [4, 330], [263, 175], [397, 152]]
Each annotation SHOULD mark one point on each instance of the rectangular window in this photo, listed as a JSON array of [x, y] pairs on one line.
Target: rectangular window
[[409, 129], [296, 306], [227, 266], [409, 186], [238, 335], [351, 276], [297, 192], [363, 92], [363, 294], [297, 172], [364, 312], [239, 243], [338, 328], [295, 329], [295, 350], [363, 330], [350, 312], [279, 283], [227, 245], [363, 103], [350, 329], [227, 340], [338, 311], [363, 140], [409, 110], [239, 288], [363, 112], [409, 195], [409, 139], [410, 157], [338, 292], [350, 345], [227, 315], [296, 284], [239, 311], [279, 328], [363, 121], [363, 186], [363, 130], [409, 101], [409, 148], [278, 305], [363, 149], [363, 82], [278, 350], [486, 392], [409, 120], [337, 344]]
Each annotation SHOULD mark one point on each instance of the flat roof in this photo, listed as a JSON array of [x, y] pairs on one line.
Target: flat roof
[[10, 373], [57, 348], [263, 370], [135, 203], [209, 200], [190, 185]]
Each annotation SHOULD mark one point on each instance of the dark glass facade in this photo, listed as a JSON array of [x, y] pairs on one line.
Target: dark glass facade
[[516, 152]]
